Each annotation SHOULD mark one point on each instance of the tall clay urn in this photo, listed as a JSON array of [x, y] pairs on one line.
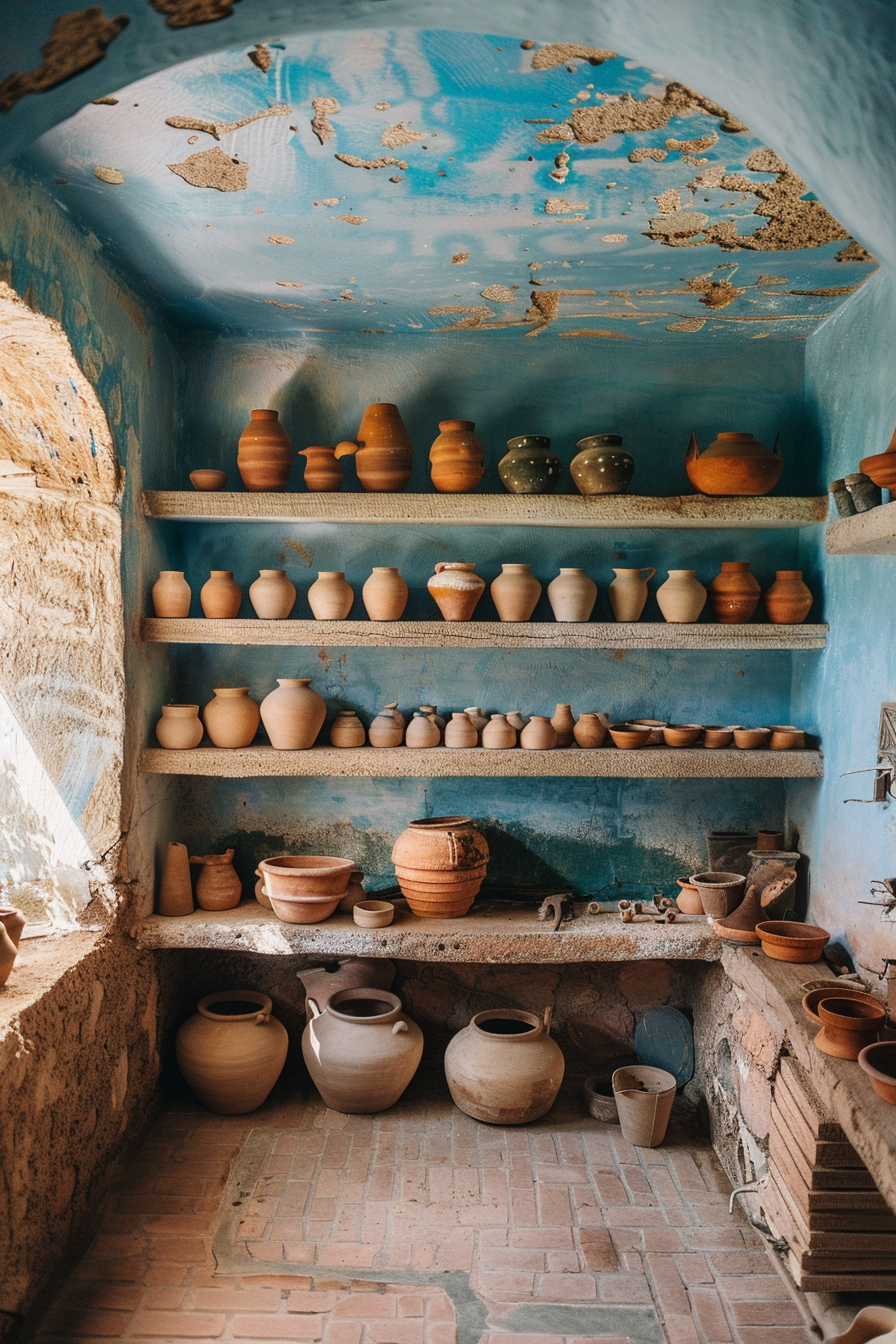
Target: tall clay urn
[[628, 592], [734, 593], [734, 464], [440, 864], [504, 1068], [361, 1050], [384, 455], [171, 594], [572, 595], [788, 601], [293, 714], [456, 589], [231, 719], [456, 459], [515, 592], [232, 1052], [264, 455]]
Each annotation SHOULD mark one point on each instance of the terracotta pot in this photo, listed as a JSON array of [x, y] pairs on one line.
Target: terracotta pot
[[422, 731], [599, 1099], [831, 990], [734, 593], [306, 875], [539, 734], [385, 594], [628, 592], [232, 1052], [590, 730], [734, 464], [457, 461], [179, 728], [171, 595], [330, 597], [504, 1068], [656, 726], [347, 730], [515, 592], [175, 886], [440, 864], [879, 1062], [231, 718], [517, 720], [572, 595], [272, 595], [293, 714], [387, 729], [751, 739], [788, 601], [688, 898], [601, 465], [498, 734], [362, 1050], [206, 478], [787, 940], [12, 922], [881, 467], [321, 982], [264, 455], [456, 589], [529, 467], [644, 1097], [630, 736], [437, 718], [322, 471], [373, 914], [720, 893], [681, 734], [384, 453], [682, 597], [564, 724], [848, 1025], [220, 597], [786, 737], [477, 718], [302, 909], [460, 732], [218, 887], [714, 737]]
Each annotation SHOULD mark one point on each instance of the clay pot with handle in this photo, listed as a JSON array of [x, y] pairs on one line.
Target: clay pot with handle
[[456, 458], [628, 592], [218, 887], [734, 464], [361, 1050], [456, 589], [264, 455], [384, 455], [322, 471], [387, 729], [232, 1052], [440, 864], [504, 1068]]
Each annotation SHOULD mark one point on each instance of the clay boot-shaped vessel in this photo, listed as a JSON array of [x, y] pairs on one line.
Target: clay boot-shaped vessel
[[293, 714], [264, 456], [231, 719], [12, 922], [171, 594], [218, 887], [682, 597], [572, 595], [788, 601], [385, 594], [322, 471], [383, 447], [456, 458], [330, 597], [734, 593], [628, 592], [515, 592], [456, 589], [220, 596], [272, 595]]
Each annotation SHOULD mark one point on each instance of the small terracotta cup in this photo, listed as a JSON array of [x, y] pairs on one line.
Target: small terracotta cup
[[373, 914], [207, 479], [784, 737], [751, 738], [718, 737]]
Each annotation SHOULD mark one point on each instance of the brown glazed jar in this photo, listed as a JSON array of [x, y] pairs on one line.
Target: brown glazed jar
[[788, 601], [734, 593], [264, 455]]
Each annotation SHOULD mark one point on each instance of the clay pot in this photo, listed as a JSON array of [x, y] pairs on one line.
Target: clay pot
[[630, 736], [657, 728], [564, 724], [373, 914], [786, 737], [848, 1025], [330, 597], [175, 886], [601, 466], [179, 728], [231, 718], [751, 739], [437, 718], [385, 594], [457, 461], [498, 734], [293, 714], [628, 592], [456, 589], [305, 888], [322, 471], [734, 593], [362, 1050], [321, 982], [12, 922], [347, 730], [644, 1097], [517, 720], [787, 940], [832, 990], [232, 1052], [504, 1068], [206, 478], [599, 1099], [515, 592], [788, 601], [734, 464], [354, 893], [529, 467], [422, 731], [264, 455], [682, 597], [477, 718], [171, 595], [220, 597], [879, 1062], [714, 737], [218, 887], [720, 893], [272, 595], [539, 734], [387, 729], [572, 595], [440, 864], [688, 898], [681, 734], [590, 730], [460, 732], [881, 467], [384, 453]]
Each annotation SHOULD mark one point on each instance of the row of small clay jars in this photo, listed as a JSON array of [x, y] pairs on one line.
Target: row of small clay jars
[[470, 728]]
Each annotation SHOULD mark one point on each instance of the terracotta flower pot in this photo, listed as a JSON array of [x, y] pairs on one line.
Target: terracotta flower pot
[[564, 724], [175, 886], [361, 1051], [385, 594], [387, 729], [602, 466], [591, 730], [179, 728], [440, 864], [232, 1052], [218, 887], [272, 595], [347, 730], [293, 714], [788, 601], [264, 455], [572, 595], [529, 467], [460, 731], [848, 1025], [456, 589], [734, 464], [644, 1097], [456, 458], [322, 471], [788, 940], [384, 453], [720, 893], [220, 596], [734, 593], [515, 592], [305, 888], [682, 597], [498, 734], [832, 990], [504, 1068], [628, 592], [539, 734], [330, 597], [171, 594], [231, 718]]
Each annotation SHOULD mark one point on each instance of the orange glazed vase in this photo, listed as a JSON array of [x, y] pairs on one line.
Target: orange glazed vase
[[383, 449], [264, 455], [734, 593], [456, 459], [788, 601]]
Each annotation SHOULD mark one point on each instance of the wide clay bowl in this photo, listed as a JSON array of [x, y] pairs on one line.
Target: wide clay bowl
[[682, 734], [720, 893], [302, 909], [306, 875], [206, 479], [848, 1025], [879, 1062], [784, 737], [830, 991], [373, 914], [881, 468], [718, 737], [788, 940], [656, 727], [629, 735], [751, 738]]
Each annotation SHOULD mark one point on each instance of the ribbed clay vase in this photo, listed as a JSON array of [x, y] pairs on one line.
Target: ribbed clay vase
[[232, 1052], [422, 731], [293, 714], [564, 724], [460, 731], [171, 594], [498, 734], [272, 595], [456, 589], [628, 592], [515, 592], [456, 459], [264, 455], [572, 595], [734, 593], [682, 597], [330, 597], [440, 864], [504, 1068], [539, 734], [387, 729], [361, 1050], [218, 887], [322, 471], [788, 601], [179, 728], [220, 597], [347, 730], [231, 719], [383, 448], [385, 594]]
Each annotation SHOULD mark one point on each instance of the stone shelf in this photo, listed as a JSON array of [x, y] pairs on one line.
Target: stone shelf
[[871, 533], [493, 932], [608, 511], [443, 762], [483, 634]]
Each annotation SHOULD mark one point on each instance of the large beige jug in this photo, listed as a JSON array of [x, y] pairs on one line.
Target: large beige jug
[[361, 1050], [504, 1068]]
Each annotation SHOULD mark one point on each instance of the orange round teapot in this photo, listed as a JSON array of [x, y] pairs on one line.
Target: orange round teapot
[[734, 464]]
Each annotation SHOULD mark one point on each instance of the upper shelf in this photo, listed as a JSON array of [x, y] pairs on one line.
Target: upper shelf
[[871, 533], [474, 510]]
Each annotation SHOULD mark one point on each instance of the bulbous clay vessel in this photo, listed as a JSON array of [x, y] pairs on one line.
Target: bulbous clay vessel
[[272, 595], [563, 723], [264, 455], [232, 1052], [322, 471], [179, 728], [498, 734], [539, 734], [788, 601], [504, 1068], [347, 730], [422, 731], [529, 467], [628, 592], [734, 464], [601, 466], [515, 592], [572, 595], [516, 720], [591, 730], [460, 732], [734, 593], [440, 864], [456, 458], [362, 1050], [293, 714], [881, 467], [171, 594], [682, 597], [175, 886], [330, 597], [387, 729], [218, 887], [385, 594], [231, 719], [477, 718], [220, 596], [384, 454], [12, 922], [438, 719], [456, 589]]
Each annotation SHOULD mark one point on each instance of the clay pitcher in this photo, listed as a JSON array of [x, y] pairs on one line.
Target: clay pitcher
[[12, 922], [572, 595], [179, 728], [330, 597], [231, 718], [682, 597], [171, 594], [628, 592], [456, 589], [272, 595], [264, 455], [293, 714], [385, 594], [361, 1050], [218, 887], [322, 471], [383, 449], [515, 592], [232, 1052], [504, 1068], [220, 596], [734, 464], [788, 601], [734, 593], [456, 458]]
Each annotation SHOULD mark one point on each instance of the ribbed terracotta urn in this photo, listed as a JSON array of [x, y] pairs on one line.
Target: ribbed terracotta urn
[[440, 864], [788, 601], [456, 459], [384, 456], [734, 593], [264, 455]]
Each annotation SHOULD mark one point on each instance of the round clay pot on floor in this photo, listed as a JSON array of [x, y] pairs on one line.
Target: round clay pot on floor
[[504, 1068], [232, 1052], [361, 1050]]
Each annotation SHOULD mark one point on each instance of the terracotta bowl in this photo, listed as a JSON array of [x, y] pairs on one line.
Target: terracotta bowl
[[629, 735], [881, 468], [786, 738], [751, 738], [373, 914], [788, 940], [688, 899], [848, 1025], [718, 737], [305, 875], [879, 1062], [830, 991], [656, 727], [207, 479], [302, 909], [682, 734]]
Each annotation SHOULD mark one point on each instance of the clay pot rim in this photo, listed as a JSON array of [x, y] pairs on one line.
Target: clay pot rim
[[230, 690], [773, 931], [377, 1019], [860, 1016], [508, 1014], [741, 565], [317, 865], [523, 440], [221, 573], [463, 424], [613, 440], [440, 823], [263, 1004], [192, 708], [812, 997], [888, 1050], [718, 880]]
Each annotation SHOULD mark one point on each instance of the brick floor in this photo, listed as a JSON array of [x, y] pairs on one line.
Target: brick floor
[[561, 1226]]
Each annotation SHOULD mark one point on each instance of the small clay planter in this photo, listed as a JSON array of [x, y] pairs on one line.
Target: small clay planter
[[879, 1062], [306, 875], [788, 940], [373, 914], [784, 737], [720, 893], [207, 479], [682, 734], [715, 737], [832, 990], [629, 736], [688, 899], [848, 1025], [600, 1099], [750, 739]]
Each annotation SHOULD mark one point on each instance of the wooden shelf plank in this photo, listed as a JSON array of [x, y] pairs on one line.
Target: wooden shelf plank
[[871, 533]]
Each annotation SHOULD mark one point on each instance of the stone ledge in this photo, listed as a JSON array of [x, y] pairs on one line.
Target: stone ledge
[[40, 965], [871, 533]]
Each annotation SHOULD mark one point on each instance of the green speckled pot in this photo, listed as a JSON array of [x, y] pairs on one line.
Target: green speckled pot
[[601, 466], [530, 468]]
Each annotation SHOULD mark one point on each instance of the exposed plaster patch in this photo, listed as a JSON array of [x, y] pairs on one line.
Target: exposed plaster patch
[[324, 108], [77, 41], [714, 293], [291, 284], [614, 237], [394, 137], [186, 13], [639, 155], [591, 125], [472, 321], [381, 107], [831, 292], [699, 146], [261, 56], [558, 130], [459, 258], [555, 205], [213, 168], [678, 227], [559, 53], [108, 175], [300, 550], [354, 162], [351, 219], [219, 128], [105, 102], [279, 238], [597, 331], [687, 324], [853, 252], [668, 201], [498, 294], [772, 280], [277, 303]]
